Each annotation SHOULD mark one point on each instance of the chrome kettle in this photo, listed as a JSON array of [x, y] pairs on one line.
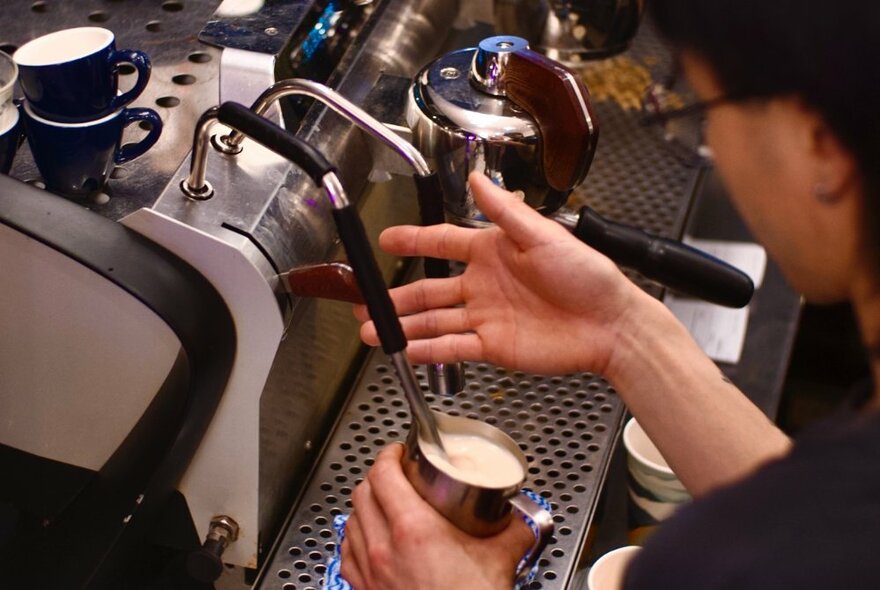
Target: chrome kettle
[[572, 31], [509, 112]]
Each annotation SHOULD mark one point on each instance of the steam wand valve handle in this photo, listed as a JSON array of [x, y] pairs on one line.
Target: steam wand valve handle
[[357, 248]]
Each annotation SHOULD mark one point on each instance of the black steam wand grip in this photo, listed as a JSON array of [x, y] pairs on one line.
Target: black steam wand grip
[[670, 263], [270, 135], [369, 278]]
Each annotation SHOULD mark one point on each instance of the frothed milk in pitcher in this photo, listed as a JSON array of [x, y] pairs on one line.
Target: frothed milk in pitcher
[[476, 461]]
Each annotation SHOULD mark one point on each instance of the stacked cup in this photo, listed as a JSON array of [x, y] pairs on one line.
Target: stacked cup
[[10, 127], [655, 492], [74, 113]]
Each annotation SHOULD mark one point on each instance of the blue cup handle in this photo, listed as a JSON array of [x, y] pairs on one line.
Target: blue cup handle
[[131, 151], [141, 63]]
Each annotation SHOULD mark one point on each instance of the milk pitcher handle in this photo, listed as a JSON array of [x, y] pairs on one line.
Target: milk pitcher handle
[[541, 523]]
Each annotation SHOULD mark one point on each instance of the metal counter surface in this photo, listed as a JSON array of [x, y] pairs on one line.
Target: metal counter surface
[[567, 425]]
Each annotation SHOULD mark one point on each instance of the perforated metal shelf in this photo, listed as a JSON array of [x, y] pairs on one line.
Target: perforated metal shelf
[[563, 424], [566, 425]]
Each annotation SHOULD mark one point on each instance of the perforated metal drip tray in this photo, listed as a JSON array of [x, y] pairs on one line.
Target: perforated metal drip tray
[[564, 425]]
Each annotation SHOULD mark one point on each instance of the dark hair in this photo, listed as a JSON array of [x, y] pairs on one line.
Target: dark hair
[[826, 52]]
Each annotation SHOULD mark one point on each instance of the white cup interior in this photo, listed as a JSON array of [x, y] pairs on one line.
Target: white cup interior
[[63, 46], [608, 571], [8, 76], [8, 119], [642, 449]]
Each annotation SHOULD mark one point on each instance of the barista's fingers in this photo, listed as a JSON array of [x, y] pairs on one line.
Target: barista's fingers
[[393, 492], [515, 540], [438, 241], [370, 517], [449, 348], [524, 225], [354, 548], [436, 322], [369, 336], [419, 296], [427, 294], [351, 574], [361, 313]]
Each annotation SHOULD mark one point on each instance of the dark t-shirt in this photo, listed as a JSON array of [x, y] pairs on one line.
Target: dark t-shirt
[[808, 520]]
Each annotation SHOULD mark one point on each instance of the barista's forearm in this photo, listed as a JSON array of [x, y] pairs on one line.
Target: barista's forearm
[[708, 430]]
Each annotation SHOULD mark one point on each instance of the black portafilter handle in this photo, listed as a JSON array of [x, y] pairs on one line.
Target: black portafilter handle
[[348, 222], [668, 262]]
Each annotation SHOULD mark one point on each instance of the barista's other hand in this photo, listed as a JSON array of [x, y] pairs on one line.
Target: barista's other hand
[[395, 540], [533, 297]]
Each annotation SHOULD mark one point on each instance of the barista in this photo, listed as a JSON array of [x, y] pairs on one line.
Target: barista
[[789, 89]]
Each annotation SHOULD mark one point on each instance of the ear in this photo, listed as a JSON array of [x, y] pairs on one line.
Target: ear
[[834, 165]]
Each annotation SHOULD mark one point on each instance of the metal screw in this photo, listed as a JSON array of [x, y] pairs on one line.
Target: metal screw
[[449, 73], [223, 528], [271, 31]]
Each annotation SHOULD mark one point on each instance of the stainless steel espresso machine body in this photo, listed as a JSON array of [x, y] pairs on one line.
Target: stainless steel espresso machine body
[[296, 358], [265, 213]]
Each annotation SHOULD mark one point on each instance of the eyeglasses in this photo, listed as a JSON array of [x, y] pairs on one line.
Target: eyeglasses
[[681, 123], [655, 109]]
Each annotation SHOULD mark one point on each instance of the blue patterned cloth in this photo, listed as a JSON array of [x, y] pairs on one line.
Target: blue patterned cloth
[[333, 579]]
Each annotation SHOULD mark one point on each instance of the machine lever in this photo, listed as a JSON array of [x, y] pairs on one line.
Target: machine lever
[[331, 280]]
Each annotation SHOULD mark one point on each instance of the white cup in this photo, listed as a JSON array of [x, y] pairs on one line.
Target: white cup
[[8, 77], [654, 490], [608, 571]]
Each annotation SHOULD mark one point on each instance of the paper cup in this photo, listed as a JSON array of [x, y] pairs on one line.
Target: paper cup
[[654, 490], [608, 571]]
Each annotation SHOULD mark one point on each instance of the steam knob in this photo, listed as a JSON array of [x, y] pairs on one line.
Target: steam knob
[[205, 564]]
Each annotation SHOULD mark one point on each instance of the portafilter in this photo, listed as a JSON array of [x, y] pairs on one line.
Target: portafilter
[[527, 123]]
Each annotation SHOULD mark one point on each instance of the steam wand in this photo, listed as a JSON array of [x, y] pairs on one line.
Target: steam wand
[[443, 378], [357, 247]]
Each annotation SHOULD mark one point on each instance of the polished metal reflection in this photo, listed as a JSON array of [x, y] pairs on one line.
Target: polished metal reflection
[[490, 62], [461, 129], [340, 105], [446, 379], [195, 186], [571, 31], [477, 510]]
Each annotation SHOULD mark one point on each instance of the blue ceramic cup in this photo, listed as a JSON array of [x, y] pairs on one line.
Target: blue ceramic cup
[[76, 158], [10, 138], [73, 75]]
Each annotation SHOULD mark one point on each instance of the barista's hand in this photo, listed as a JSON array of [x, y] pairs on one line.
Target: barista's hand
[[395, 540], [533, 297]]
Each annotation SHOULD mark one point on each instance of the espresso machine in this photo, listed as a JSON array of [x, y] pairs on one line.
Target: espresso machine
[[304, 407]]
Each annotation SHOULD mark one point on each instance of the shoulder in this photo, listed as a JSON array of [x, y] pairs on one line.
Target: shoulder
[[809, 520]]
